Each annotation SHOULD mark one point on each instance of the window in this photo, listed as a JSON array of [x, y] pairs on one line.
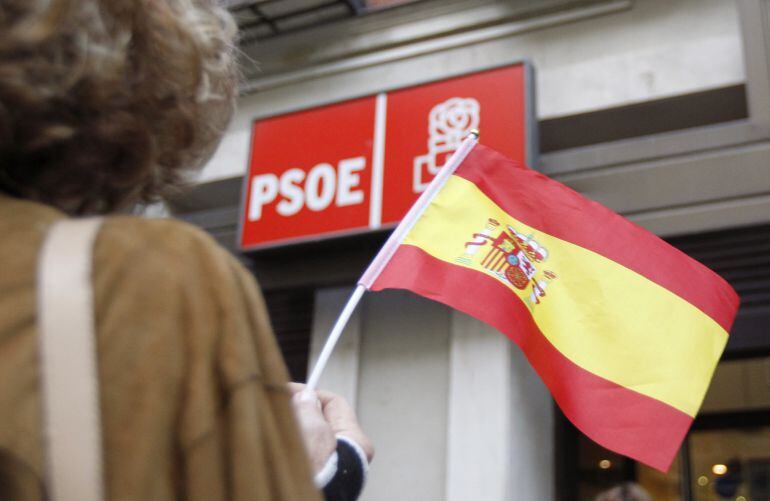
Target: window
[[730, 464], [291, 315], [726, 455]]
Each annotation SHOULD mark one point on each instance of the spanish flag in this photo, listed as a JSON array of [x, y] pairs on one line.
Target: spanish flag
[[624, 329]]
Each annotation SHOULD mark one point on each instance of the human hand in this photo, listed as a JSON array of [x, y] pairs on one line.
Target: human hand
[[340, 417], [317, 434]]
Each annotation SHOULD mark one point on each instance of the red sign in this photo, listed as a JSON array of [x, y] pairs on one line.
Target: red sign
[[359, 165]]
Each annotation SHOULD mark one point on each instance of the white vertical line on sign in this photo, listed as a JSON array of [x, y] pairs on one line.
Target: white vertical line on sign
[[378, 161]]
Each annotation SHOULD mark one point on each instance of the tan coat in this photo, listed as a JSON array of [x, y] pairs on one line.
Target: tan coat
[[193, 397]]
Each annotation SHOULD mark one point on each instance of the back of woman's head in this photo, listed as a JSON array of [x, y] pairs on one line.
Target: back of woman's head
[[105, 103]]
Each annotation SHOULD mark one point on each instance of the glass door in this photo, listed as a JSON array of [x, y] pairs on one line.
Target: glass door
[[726, 455]]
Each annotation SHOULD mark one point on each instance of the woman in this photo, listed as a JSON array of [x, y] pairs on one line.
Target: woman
[[105, 104]]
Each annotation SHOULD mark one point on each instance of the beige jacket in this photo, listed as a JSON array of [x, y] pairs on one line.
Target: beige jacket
[[193, 397]]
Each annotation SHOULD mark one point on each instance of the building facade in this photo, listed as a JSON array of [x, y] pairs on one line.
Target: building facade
[[659, 109]]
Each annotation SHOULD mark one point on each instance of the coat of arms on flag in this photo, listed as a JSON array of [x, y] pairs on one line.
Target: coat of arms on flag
[[511, 257]]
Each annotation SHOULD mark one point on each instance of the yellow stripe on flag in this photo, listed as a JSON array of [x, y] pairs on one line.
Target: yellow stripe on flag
[[604, 317]]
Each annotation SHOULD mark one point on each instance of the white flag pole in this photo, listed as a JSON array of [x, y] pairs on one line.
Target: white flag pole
[[387, 251], [334, 336]]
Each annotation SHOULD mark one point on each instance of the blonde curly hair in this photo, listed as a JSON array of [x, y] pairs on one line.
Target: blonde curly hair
[[106, 103]]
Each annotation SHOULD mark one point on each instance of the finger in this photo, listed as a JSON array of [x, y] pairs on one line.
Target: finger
[[330, 398], [296, 387], [336, 408], [343, 420], [307, 398]]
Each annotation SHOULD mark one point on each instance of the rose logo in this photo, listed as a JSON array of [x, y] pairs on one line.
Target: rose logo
[[448, 124], [454, 119]]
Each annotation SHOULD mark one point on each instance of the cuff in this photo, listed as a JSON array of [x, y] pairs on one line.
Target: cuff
[[323, 477], [358, 450], [348, 481]]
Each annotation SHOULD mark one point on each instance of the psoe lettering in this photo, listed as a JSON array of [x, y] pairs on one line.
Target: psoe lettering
[[316, 189]]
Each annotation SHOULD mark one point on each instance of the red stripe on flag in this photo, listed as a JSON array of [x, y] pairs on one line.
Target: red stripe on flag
[[616, 417], [559, 211]]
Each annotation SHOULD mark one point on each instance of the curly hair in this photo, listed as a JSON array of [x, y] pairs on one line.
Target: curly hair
[[107, 103]]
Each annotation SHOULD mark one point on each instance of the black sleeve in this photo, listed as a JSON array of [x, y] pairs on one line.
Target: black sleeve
[[348, 482]]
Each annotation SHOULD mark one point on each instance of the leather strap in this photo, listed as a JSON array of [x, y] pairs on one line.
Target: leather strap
[[70, 385]]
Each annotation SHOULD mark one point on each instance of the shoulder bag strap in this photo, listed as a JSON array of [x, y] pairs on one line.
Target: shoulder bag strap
[[70, 385]]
